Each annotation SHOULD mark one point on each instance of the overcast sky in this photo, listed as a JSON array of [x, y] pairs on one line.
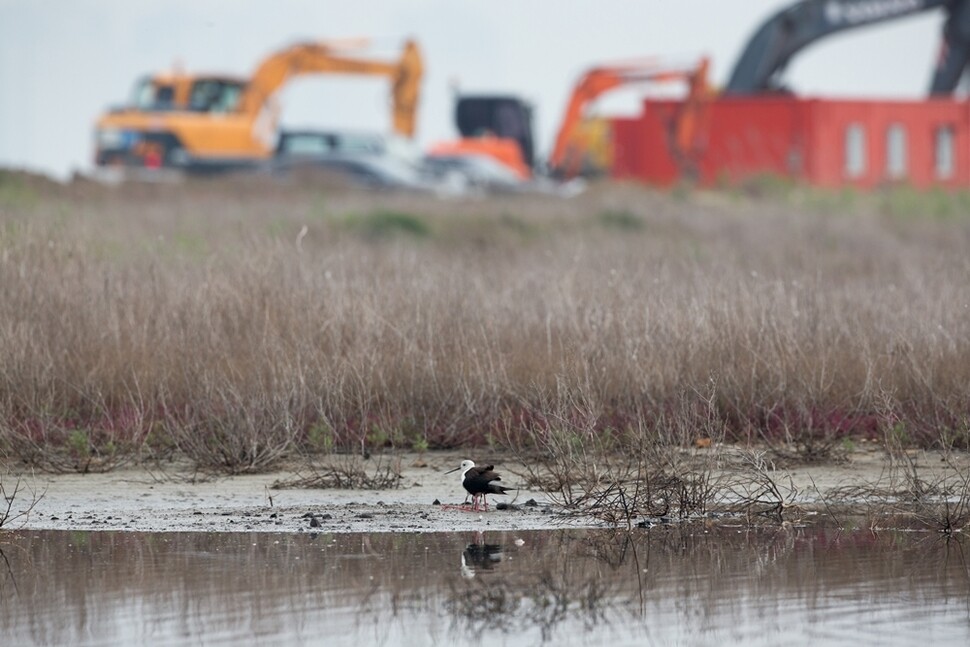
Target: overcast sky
[[63, 61]]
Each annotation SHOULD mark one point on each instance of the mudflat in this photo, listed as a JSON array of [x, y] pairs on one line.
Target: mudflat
[[425, 500]]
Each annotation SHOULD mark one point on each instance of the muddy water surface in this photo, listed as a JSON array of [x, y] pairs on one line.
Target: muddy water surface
[[667, 585]]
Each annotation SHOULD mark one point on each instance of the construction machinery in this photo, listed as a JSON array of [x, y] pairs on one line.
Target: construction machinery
[[218, 122], [756, 126], [586, 147], [790, 30], [494, 126], [500, 126]]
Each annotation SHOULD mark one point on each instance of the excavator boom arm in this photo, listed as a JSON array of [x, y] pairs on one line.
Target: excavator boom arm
[[314, 58], [593, 84], [600, 80], [955, 49], [801, 24]]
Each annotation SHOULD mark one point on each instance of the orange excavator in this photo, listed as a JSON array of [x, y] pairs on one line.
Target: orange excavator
[[500, 126], [218, 122], [579, 150], [496, 127]]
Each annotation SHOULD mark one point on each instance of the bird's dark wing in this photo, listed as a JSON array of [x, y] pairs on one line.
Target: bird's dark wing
[[488, 475]]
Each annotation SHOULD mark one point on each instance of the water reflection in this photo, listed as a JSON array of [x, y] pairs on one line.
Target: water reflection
[[673, 585], [480, 556]]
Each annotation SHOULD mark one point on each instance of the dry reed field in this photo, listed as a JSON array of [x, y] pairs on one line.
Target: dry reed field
[[235, 323]]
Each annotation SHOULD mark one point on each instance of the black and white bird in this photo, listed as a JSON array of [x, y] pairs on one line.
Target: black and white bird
[[479, 482]]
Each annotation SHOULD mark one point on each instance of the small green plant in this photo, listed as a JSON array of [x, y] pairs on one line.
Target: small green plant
[[320, 438], [621, 219], [15, 192], [848, 446], [682, 190], [903, 201], [190, 245], [957, 437], [277, 228], [320, 209], [768, 185], [516, 223], [829, 201], [898, 435], [382, 225], [377, 437], [419, 445], [79, 443], [945, 204]]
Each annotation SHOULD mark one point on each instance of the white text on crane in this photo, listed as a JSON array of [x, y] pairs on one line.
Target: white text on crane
[[853, 13]]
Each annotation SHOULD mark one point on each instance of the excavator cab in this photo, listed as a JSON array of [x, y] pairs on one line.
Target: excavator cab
[[495, 131], [505, 117], [151, 93], [215, 95]]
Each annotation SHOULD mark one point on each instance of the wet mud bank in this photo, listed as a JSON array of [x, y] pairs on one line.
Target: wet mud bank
[[141, 500], [427, 499]]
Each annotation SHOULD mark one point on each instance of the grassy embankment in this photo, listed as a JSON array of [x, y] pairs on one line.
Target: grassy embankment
[[198, 321]]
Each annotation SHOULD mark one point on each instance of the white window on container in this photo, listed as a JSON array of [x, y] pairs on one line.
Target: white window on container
[[855, 150], [943, 152], [896, 166]]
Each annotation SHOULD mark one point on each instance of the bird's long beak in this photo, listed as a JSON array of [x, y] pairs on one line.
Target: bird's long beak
[[454, 470]]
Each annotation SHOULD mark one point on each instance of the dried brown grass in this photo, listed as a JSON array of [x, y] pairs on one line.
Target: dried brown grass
[[152, 321]]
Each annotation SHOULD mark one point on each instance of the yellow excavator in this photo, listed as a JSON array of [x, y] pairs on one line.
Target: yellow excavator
[[216, 122]]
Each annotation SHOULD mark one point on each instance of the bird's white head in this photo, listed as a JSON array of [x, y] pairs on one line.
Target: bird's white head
[[464, 467]]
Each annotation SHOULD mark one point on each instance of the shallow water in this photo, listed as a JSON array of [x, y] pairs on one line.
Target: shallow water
[[668, 585]]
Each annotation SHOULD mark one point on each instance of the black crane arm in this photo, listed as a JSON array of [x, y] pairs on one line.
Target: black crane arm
[[802, 23], [955, 49]]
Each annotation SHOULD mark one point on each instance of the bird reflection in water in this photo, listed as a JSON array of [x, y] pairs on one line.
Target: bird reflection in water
[[479, 556]]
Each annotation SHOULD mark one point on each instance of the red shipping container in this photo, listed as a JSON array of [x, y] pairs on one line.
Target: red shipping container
[[824, 142]]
